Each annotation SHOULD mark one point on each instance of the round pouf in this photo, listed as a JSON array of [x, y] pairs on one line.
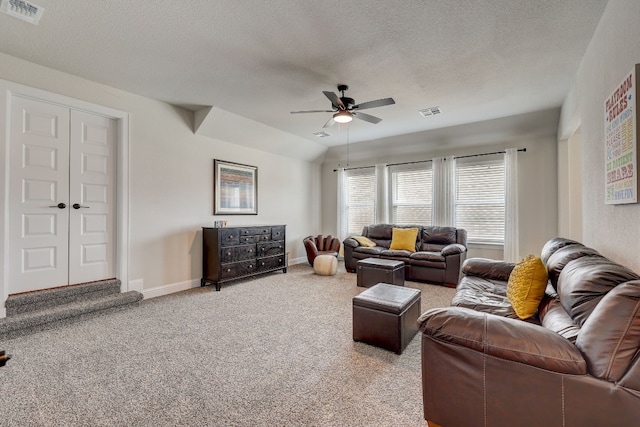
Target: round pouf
[[325, 265]]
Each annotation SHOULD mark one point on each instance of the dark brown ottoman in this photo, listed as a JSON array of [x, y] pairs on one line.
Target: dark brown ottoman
[[377, 270], [386, 316]]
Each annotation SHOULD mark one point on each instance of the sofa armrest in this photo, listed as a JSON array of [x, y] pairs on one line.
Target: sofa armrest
[[453, 249], [352, 243], [487, 268], [503, 338]]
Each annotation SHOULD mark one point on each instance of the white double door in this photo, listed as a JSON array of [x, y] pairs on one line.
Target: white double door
[[62, 196]]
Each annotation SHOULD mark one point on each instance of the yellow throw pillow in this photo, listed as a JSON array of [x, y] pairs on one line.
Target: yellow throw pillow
[[526, 286], [364, 241], [404, 239]]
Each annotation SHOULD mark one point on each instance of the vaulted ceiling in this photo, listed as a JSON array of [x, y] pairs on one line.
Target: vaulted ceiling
[[258, 60]]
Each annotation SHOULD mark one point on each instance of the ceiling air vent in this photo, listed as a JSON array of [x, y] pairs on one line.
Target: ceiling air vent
[[431, 111], [22, 10], [322, 134]]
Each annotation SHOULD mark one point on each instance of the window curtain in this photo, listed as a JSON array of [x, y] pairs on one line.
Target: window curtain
[[511, 237], [382, 190], [342, 222], [444, 191]]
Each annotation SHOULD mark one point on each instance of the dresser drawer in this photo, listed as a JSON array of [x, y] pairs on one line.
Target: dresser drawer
[[248, 239], [237, 269], [269, 263], [229, 237], [277, 233], [250, 231], [237, 253], [270, 248]]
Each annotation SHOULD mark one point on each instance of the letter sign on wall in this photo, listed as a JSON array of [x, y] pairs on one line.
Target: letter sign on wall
[[621, 142]]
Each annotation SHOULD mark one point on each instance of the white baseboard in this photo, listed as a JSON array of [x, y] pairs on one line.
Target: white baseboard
[[183, 286], [171, 288], [299, 260]]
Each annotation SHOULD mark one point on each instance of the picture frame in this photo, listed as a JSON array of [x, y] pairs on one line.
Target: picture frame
[[235, 188]]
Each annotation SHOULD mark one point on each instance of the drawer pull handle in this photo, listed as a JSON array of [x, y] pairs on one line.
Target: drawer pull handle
[[228, 253], [263, 264], [228, 270], [250, 265], [250, 250]]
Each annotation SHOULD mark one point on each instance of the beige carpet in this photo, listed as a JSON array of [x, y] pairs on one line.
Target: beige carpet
[[271, 351]]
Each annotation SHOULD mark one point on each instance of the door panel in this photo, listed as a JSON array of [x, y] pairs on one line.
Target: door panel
[[38, 182], [92, 177]]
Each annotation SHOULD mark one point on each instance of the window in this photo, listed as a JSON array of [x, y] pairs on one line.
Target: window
[[411, 194], [480, 200], [360, 199]]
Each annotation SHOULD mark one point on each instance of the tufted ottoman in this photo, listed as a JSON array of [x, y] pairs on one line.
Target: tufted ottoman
[[386, 316], [325, 265]]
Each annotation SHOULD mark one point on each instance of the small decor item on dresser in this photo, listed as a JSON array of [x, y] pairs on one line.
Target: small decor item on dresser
[[235, 188], [219, 224]]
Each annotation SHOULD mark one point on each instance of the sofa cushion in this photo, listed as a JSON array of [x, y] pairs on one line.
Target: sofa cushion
[[439, 235], [526, 286], [553, 317], [375, 250], [559, 259], [553, 245], [404, 239], [393, 253], [485, 296], [427, 256], [610, 337], [583, 282]]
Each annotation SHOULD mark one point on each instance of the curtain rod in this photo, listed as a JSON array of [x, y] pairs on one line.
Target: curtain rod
[[430, 160]]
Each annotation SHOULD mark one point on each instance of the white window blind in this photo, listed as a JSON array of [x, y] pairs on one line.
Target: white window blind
[[360, 199], [411, 195], [480, 200]]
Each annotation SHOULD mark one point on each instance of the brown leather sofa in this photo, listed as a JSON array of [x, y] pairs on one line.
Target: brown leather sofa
[[440, 252], [321, 245], [575, 363]]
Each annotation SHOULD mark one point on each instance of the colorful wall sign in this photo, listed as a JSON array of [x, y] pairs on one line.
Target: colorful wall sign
[[621, 142]]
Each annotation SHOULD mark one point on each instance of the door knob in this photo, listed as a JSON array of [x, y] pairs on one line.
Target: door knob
[[77, 206], [59, 206]]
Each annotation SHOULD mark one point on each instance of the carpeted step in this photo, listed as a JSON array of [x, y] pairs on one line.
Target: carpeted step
[[33, 321], [50, 298]]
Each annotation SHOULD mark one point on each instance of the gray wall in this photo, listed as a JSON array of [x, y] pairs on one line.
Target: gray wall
[[613, 51]]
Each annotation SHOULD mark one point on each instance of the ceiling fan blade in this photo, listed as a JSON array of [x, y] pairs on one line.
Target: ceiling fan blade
[[313, 111], [329, 123], [367, 117], [334, 99], [373, 104]]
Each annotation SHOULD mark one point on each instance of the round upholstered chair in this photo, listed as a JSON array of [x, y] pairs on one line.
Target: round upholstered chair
[[325, 265], [321, 245]]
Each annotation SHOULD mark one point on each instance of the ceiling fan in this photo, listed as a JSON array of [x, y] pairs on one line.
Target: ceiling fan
[[345, 109]]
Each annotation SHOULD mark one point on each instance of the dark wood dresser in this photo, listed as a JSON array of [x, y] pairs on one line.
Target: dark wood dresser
[[232, 253]]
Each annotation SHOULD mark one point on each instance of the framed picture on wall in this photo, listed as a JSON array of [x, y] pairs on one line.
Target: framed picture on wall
[[235, 188]]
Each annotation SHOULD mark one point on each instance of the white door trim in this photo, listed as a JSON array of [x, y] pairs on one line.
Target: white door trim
[[7, 91]]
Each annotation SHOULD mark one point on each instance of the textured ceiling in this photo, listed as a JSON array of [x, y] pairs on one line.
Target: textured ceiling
[[477, 60]]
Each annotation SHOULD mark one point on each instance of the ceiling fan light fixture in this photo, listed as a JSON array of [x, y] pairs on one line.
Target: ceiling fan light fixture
[[342, 116]]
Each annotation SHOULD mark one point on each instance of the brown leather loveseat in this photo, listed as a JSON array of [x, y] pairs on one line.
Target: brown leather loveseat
[[575, 363], [438, 257]]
